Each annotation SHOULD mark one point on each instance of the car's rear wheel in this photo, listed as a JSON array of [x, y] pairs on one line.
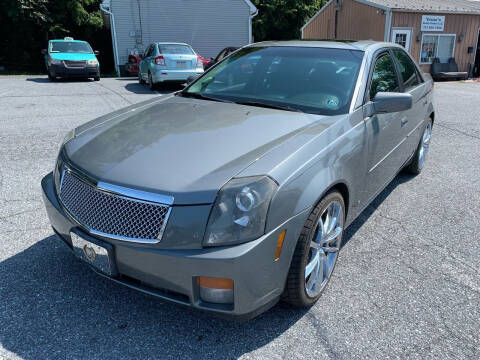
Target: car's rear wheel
[[96, 78], [140, 79], [316, 252], [421, 154], [151, 84]]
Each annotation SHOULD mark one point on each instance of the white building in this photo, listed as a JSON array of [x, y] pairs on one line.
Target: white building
[[207, 25]]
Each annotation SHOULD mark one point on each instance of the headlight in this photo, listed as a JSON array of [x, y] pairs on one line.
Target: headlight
[[55, 61], [240, 211], [93, 62]]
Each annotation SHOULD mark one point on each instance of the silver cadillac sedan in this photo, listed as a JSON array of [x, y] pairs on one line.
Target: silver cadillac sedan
[[235, 192]]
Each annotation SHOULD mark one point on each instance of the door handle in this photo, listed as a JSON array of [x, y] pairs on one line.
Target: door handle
[[404, 121], [425, 102]]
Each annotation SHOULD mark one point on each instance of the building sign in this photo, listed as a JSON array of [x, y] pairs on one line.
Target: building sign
[[433, 23]]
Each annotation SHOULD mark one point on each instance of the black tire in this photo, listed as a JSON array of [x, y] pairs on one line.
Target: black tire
[[140, 80], [415, 167], [295, 292], [50, 76], [151, 84], [96, 78]]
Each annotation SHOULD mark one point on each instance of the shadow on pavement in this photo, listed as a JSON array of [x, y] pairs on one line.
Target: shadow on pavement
[[54, 306], [42, 80], [370, 209], [138, 88]]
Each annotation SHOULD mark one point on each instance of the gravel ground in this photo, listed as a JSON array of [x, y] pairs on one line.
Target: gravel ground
[[406, 284]]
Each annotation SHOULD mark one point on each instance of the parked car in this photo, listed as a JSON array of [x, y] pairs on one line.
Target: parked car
[[203, 60], [221, 55], [71, 58], [131, 67], [236, 191], [163, 62]]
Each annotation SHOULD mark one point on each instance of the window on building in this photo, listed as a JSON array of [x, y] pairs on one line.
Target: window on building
[[440, 46]]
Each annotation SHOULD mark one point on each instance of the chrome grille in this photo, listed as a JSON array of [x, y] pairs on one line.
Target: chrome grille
[[75, 64], [112, 215]]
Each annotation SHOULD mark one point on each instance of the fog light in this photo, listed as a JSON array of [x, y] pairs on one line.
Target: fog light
[[216, 290]]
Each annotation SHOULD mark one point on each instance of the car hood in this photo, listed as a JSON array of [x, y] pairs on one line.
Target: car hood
[[72, 56], [185, 148]]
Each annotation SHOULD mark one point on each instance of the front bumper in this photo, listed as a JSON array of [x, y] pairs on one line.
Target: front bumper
[[161, 75], [62, 71], [172, 274]]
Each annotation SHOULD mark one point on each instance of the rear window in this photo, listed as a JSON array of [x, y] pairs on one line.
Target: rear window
[[70, 47], [171, 49]]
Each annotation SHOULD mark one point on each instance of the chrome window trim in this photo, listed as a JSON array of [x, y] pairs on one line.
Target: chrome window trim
[[119, 192]]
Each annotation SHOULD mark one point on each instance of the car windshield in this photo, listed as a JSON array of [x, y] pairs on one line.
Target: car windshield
[[307, 79], [173, 49], [70, 47]]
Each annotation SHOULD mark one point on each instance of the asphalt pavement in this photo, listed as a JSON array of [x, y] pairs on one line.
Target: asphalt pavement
[[406, 284]]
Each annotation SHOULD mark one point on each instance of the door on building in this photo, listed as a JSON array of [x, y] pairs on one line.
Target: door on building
[[476, 69], [402, 37]]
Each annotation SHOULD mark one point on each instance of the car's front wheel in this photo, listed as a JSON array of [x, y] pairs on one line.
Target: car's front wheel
[[418, 161], [50, 76], [316, 252]]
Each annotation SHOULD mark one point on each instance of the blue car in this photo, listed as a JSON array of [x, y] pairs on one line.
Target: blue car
[[71, 58], [168, 62]]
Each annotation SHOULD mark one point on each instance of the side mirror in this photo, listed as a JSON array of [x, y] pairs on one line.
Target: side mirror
[[388, 102], [44, 51], [191, 79], [96, 52]]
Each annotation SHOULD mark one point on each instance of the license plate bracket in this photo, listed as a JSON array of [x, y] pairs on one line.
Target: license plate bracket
[[97, 254], [181, 64]]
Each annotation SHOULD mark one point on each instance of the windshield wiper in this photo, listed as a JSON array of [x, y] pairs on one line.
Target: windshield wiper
[[269, 106], [202, 97]]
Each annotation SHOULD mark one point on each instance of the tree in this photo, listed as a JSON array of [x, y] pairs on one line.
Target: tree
[[27, 25], [283, 19]]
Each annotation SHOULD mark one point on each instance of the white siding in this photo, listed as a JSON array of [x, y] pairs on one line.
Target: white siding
[[207, 25]]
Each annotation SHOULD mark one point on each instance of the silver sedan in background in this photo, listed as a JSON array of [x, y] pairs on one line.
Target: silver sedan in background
[[235, 192], [168, 62]]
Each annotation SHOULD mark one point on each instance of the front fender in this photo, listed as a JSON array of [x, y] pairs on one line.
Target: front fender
[[341, 160]]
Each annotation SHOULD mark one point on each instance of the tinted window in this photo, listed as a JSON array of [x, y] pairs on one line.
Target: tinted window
[[171, 49], [407, 70], [313, 80], [70, 47], [384, 77]]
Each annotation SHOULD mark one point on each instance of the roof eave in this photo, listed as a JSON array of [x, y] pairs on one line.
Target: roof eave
[[430, 11]]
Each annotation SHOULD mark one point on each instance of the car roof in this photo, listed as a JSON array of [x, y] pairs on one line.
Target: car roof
[[361, 45], [171, 43], [63, 40]]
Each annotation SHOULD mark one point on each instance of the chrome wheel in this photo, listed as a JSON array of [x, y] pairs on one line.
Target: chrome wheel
[[424, 146], [324, 248]]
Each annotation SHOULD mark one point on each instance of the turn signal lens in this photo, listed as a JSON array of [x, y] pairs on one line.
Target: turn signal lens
[[215, 283], [278, 251]]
